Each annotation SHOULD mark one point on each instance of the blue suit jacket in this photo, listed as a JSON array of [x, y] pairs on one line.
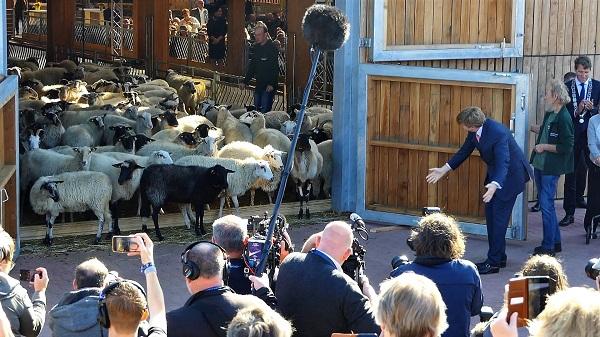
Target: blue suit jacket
[[506, 163]]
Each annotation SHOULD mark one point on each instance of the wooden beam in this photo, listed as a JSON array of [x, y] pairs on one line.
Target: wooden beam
[[61, 20], [236, 38], [160, 33], [298, 58]]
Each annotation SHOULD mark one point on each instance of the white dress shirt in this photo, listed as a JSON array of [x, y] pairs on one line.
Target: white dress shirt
[[337, 265]]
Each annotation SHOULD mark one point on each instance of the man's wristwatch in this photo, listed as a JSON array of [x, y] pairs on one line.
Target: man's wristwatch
[[148, 268]]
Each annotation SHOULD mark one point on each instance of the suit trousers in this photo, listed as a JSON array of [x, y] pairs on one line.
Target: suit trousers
[[497, 216], [593, 202], [575, 181]]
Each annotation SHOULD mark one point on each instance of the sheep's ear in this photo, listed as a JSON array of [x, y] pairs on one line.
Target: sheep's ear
[[76, 149], [139, 167], [229, 171], [57, 181], [213, 128], [229, 107], [117, 165], [153, 140]]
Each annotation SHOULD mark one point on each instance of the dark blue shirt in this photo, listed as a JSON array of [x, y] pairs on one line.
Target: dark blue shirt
[[459, 283], [238, 281]]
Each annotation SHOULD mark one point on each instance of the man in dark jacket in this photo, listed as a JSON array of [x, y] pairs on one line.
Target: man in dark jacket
[[439, 245], [264, 67], [26, 316], [314, 293], [76, 314], [212, 304]]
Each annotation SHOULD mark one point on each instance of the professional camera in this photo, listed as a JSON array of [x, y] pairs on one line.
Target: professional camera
[[354, 266], [592, 269], [253, 254]]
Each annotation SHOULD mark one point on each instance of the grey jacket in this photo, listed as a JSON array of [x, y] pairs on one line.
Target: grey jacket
[[593, 132], [76, 314], [26, 316]]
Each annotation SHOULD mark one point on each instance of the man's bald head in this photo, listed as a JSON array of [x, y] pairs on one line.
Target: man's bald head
[[336, 240]]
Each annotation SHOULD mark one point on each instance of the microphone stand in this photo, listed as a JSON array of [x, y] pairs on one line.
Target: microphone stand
[[288, 163]]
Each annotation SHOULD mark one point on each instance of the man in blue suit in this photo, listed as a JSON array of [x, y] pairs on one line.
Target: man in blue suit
[[507, 173]]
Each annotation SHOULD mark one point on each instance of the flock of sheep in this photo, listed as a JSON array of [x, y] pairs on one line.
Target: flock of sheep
[[92, 136]]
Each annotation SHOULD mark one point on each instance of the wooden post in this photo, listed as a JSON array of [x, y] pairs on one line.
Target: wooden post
[[298, 60], [236, 38], [160, 35], [61, 20]]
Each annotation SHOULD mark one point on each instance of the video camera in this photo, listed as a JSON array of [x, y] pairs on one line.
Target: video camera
[[253, 253], [592, 269], [354, 266]]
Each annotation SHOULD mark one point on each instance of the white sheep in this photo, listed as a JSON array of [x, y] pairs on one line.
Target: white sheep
[[156, 157], [53, 129], [191, 95], [326, 151], [243, 150], [72, 192], [308, 163], [190, 123], [175, 80], [142, 125], [233, 129], [47, 76], [246, 173], [288, 127], [72, 91], [262, 136], [206, 147], [76, 117], [88, 134]]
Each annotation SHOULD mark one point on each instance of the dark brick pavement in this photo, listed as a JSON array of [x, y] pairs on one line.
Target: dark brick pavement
[[381, 248]]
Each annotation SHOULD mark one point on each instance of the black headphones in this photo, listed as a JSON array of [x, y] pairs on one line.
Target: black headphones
[[103, 318], [191, 269]]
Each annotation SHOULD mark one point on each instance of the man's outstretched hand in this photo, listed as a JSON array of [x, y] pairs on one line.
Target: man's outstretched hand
[[436, 174]]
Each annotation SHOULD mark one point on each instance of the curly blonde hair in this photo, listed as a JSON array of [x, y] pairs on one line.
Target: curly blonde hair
[[545, 265], [558, 88], [438, 235]]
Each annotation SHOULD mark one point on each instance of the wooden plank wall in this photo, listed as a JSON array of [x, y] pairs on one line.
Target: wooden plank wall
[[410, 129], [556, 32], [434, 22]]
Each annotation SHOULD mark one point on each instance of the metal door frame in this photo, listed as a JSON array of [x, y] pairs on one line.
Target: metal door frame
[[519, 127]]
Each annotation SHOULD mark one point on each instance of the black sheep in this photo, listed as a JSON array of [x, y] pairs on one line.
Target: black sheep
[[180, 184]]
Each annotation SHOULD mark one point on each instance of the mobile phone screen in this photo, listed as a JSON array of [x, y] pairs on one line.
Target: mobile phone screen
[[539, 288], [255, 252], [122, 244], [25, 275]]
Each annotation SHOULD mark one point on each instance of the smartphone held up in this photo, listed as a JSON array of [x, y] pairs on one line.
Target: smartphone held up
[[124, 244], [527, 296]]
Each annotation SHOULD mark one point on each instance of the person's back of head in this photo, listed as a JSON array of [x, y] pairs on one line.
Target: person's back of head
[[259, 321], [545, 265], [569, 76], [336, 240], [204, 266], [7, 251], [571, 312], [230, 232], [123, 306], [90, 274], [438, 235], [411, 305]]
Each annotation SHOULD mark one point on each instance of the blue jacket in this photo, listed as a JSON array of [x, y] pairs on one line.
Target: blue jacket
[[459, 284], [506, 163], [76, 314]]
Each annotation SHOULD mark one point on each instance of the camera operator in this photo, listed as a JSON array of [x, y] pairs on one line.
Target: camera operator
[[314, 293], [76, 313], [26, 316], [212, 304], [124, 304], [231, 233], [439, 246]]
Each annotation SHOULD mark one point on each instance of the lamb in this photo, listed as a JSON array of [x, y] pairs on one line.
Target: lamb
[[88, 134], [262, 136], [233, 129], [191, 95], [243, 150], [206, 147], [245, 174], [125, 180], [324, 179], [53, 129], [181, 184], [40, 162], [72, 192], [308, 163]]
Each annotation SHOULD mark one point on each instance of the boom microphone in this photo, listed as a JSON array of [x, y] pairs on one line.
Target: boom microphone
[[325, 27]]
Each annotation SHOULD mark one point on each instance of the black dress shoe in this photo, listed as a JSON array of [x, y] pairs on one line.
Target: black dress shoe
[[539, 250], [482, 264], [581, 204], [535, 208], [567, 220], [488, 269], [557, 248]]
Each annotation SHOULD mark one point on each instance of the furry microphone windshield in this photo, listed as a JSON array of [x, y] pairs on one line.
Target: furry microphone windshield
[[325, 27]]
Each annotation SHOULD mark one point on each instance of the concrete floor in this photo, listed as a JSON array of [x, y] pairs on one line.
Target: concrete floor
[[381, 247]]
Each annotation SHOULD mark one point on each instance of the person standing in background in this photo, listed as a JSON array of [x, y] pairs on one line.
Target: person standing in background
[[217, 29]]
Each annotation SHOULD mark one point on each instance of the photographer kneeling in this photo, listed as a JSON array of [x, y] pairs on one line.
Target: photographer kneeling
[[26, 316], [439, 246]]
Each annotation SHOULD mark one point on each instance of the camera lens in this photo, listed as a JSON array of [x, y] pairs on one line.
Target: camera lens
[[591, 270]]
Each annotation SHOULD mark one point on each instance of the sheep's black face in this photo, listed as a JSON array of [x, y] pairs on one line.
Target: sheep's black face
[[52, 188], [128, 142], [303, 143], [205, 106], [188, 138], [127, 168], [120, 131], [52, 117], [318, 135], [189, 85], [141, 140], [218, 177], [170, 117], [202, 130]]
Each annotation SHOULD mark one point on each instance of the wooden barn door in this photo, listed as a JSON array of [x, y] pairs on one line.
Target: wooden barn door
[[410, 126]]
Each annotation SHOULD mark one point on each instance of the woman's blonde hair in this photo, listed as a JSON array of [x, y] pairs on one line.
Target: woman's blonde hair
[[7, 247], [571, 312], [259, 321], [411, 305], [545, 265], [558, 88]]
